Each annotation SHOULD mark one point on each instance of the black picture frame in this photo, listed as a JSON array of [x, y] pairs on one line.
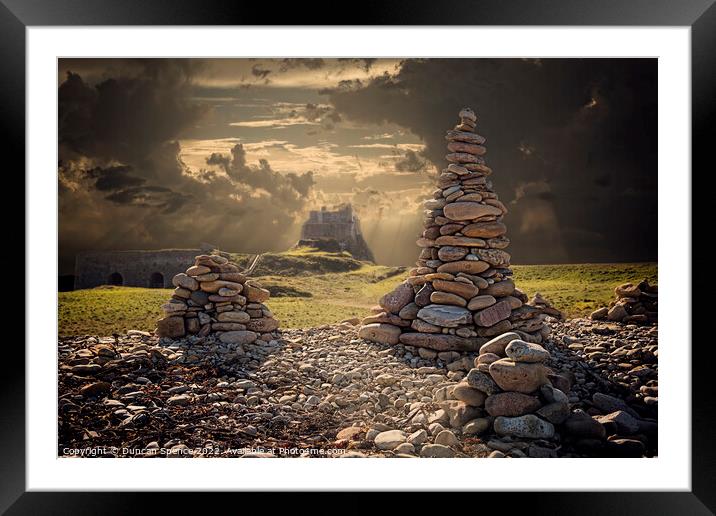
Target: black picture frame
[[17, 15]]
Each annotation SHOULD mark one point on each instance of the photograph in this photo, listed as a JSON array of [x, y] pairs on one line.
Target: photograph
[[357, 257]]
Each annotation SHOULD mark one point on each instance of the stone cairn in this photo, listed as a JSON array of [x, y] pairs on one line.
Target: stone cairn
[[515, 401], [510, 391], [636, 304], [215, 297], [461, 293]]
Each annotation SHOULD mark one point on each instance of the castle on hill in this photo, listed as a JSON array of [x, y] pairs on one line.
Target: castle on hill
[[339, 228]]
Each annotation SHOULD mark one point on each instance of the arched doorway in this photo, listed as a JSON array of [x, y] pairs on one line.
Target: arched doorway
[[156, 280], [116, 279]]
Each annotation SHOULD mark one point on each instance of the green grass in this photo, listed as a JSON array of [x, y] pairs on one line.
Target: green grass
[[578, 289], [313, 293], [108, 310], [300, 261]]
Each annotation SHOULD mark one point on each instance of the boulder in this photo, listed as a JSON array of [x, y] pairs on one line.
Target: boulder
[[96, 389], [187, 282], [628, 290], [233, 316], [521, 351], [469, 210], [600, 314], [500, 288], [439, 341], [422, 298], [580, 424], [608, 404], [486, 359], [518, 376], [497, 329], [467, 266], [556, 412], [380, 332], [387, 318], [446, 298], [498, 344], [437, 451], [390, 439], [624, 448], [197, 270], [255, 294], [395, 300], [459, 412], [262, 324], [481, 381], [172, 327], [456, 240], [409, 312], [528, 426], [511, 404], [465, 136], [493, 314], [622, 422], [451, 253], [464, 392], [445, 315], [447, 438], [480, 302], [495, 257], [477, 426], [485, 229], [238, 337], [616, 313], [464, 290]]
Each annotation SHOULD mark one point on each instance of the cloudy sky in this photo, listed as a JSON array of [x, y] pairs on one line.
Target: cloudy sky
[[169, 153]]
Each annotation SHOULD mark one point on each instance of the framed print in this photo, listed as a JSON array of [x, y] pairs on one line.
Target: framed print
[[421, 241]]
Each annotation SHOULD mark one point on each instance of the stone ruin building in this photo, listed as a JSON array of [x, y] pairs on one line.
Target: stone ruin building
[[340, 227], [147, 268]]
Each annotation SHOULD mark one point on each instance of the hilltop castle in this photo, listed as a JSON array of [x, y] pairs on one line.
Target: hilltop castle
[[340, 227]]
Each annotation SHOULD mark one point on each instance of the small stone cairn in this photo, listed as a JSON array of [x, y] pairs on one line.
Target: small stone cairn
[[215, 297], [635, 304], [510, 391], [460, 294]]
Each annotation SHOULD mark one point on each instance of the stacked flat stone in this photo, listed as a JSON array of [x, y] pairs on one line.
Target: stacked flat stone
[[461, 293], [632, 304], [215, 297], [510, 391]]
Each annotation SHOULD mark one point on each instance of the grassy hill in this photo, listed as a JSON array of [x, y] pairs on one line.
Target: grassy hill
[[310, 288]]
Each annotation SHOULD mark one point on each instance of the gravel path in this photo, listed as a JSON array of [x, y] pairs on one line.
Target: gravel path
[[316, 392]]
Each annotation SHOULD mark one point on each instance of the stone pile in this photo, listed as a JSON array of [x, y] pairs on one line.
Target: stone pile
[[215, 297], [613, 358], [510, 391], [636, 304], [461, 292], [514, 399]]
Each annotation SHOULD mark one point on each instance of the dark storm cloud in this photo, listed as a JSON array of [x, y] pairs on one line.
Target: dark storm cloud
[[365, 62], [166, 200], [412, 162], [123, 184], [124, 118], [574, 124], [290, 189], [114, 178], [308, 63], [259, 72], [314, 112]]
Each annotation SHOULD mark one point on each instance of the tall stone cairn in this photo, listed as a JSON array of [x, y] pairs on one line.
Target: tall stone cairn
[[461, 292], [215, 297]]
